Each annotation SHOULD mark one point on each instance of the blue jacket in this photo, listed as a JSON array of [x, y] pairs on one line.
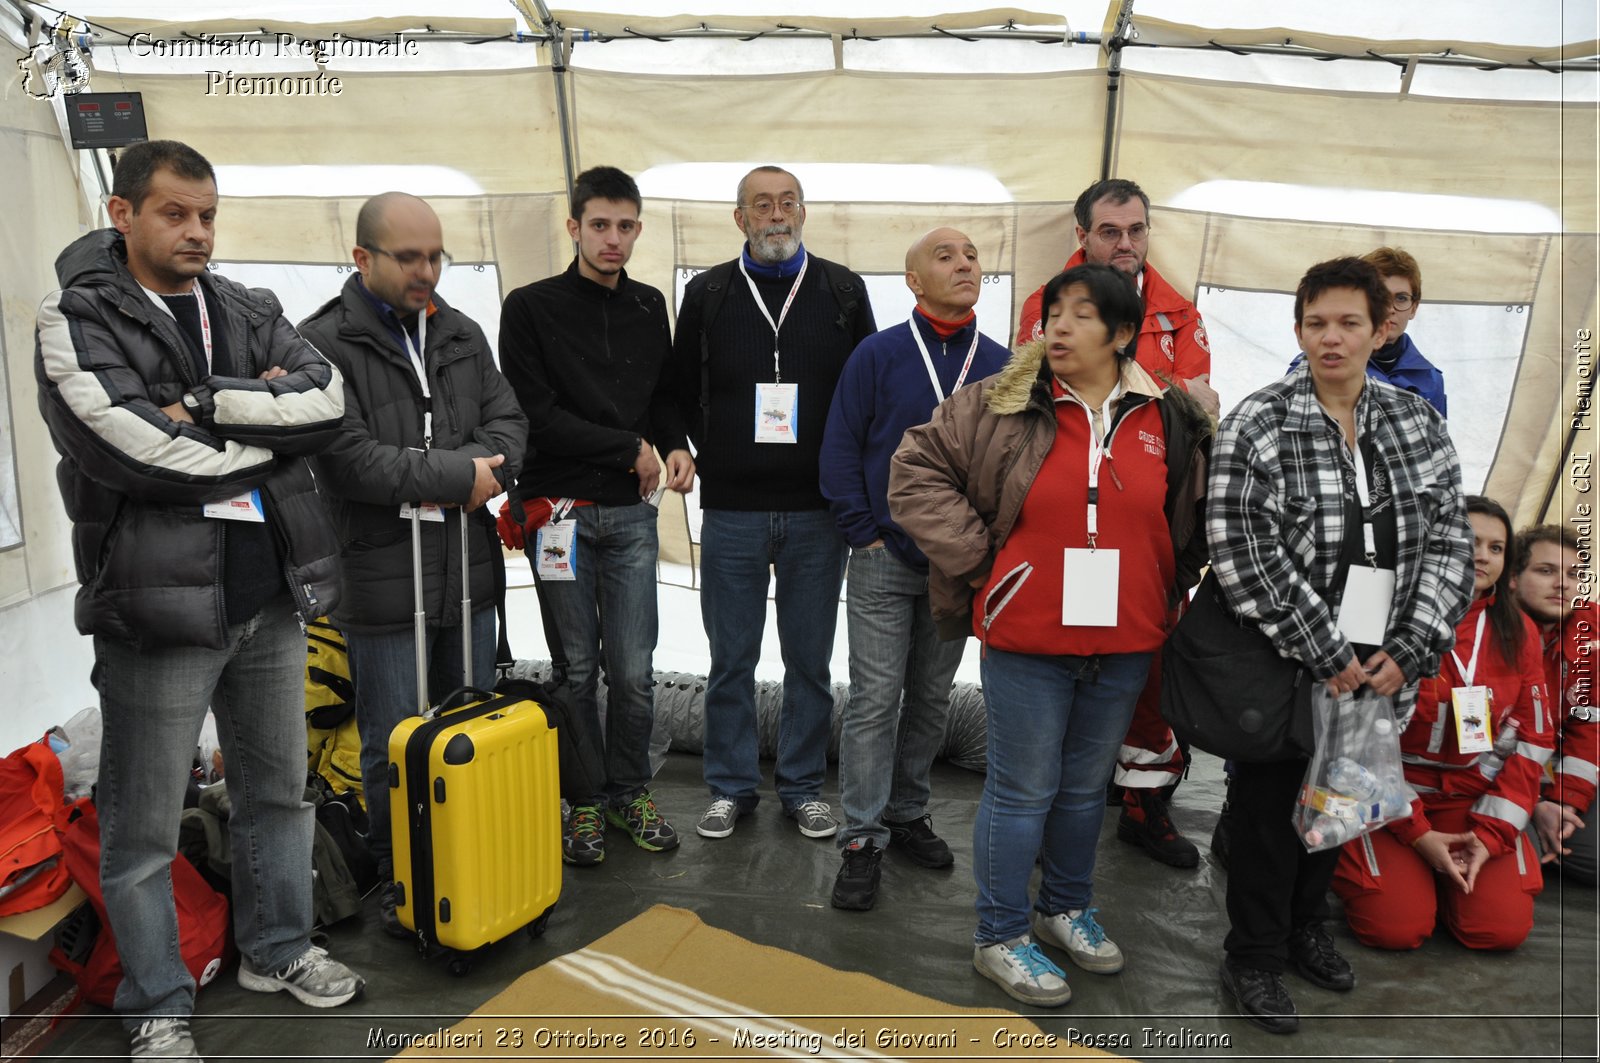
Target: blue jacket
[[1411, 372], [883, 391]]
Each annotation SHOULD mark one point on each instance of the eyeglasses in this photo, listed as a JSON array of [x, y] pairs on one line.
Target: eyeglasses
[[1111, 235], [439, 261], [765, 208], [1402, 300]]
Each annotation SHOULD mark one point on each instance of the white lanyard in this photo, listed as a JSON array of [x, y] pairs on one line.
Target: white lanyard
[[416, 355], [560, 507], [1367, 537], [927, 360], [761, 305], [1470, 669], [205, 323], [1097, 453]]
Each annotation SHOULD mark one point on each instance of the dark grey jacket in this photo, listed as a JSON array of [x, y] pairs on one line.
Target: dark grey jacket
[[134, 480], [376, 462]]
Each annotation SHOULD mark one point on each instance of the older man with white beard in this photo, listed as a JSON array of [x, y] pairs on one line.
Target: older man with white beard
[[760, 344]]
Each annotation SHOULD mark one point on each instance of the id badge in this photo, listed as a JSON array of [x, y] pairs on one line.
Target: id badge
[[1364, 609], [240, 507], [1471, 705], [777, 411], [428, 510], [1089, 587], [556, 548]]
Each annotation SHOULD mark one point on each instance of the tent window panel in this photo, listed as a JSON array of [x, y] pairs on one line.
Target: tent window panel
[[969, 57], [472, 288], [689, 55], [1477, 348]]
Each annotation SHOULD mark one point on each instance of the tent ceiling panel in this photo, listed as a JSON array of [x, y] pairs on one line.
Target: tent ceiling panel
[[1159, 32], [498, 127], [636, 122], [1175, 133], [842, 17]]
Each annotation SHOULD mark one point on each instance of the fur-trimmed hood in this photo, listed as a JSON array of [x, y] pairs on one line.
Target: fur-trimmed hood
[[1013, 387]]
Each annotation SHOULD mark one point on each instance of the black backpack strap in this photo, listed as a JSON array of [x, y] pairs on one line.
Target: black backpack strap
[[717, 279], [845, 291]]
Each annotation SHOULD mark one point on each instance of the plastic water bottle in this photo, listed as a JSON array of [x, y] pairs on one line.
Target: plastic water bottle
[[1395, 802], [1327, 831], [1347, 777]]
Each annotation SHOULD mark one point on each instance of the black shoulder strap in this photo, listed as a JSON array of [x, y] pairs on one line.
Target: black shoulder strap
[[844, 289]]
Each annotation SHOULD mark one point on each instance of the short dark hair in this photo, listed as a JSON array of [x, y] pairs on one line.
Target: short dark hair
[[1114, 295], [1344, 272], [139, 163], [1115, 189], [603, 182], [1528, 538], [1504, 613]]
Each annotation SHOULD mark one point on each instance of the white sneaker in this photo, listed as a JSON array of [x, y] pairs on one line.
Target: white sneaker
[[166, 1038], [1077, 933], [1025, 973], [315, 979]]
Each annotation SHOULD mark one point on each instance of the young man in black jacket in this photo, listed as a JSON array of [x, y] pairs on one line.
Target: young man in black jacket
[[586, 351]]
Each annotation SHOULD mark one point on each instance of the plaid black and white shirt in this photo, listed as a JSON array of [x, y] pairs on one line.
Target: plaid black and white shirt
[[1275, 522]]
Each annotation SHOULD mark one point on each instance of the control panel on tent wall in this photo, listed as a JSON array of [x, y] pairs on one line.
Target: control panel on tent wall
[[106, 119]]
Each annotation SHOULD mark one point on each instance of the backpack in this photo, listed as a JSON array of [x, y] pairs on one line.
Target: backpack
[[89, 953], [32, 815], [333, 743]]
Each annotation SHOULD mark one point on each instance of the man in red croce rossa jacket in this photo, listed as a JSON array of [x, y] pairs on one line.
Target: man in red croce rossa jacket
[[1113, 229], [1548, 586]]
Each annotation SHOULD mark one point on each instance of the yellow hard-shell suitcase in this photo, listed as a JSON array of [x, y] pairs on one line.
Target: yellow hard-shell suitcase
[[475, 807]]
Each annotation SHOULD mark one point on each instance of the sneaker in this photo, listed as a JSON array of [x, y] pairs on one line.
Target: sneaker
[[583, 843], [1145, 823], [856, 886], [1312, 953], [315, 979], [1025, 973], [644, 824], [1261, 998], [719, 818], [815, 819], [916, 838], [1081, 937], [388, 916], [165, 1038]]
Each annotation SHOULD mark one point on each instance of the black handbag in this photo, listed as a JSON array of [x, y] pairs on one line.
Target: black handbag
[[1225, 688]]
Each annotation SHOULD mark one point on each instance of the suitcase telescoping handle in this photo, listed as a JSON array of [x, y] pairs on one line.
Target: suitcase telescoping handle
[[419, 615]]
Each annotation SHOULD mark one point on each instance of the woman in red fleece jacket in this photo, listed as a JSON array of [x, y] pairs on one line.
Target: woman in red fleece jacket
[[1475, 753]]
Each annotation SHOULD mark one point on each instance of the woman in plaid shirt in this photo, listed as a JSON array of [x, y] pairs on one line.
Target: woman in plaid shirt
[[1324, 486]]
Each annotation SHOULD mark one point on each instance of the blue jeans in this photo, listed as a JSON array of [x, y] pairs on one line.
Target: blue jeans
[[1055, 724], [900, 673], [153, 702], [383, 668], [737, 549], [607, 617]]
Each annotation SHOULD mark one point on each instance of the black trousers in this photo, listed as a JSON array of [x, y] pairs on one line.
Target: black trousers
[[1274, 885]]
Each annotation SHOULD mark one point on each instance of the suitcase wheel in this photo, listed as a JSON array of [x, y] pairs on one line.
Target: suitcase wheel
[[536, 928], [459, 964]]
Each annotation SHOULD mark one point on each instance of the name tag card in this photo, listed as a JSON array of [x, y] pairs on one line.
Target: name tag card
[[427, 510], [1089, 587], [557, 549], [1364, 609], [777, 411], [240, 507], [1472, 708]]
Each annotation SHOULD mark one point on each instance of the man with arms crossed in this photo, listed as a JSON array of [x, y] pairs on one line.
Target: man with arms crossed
[[182, 405]]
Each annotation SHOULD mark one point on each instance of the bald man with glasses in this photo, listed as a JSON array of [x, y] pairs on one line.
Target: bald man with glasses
[[430, 423]]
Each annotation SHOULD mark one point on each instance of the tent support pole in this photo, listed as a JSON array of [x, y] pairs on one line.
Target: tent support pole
[[558, 67], [1114, 44]]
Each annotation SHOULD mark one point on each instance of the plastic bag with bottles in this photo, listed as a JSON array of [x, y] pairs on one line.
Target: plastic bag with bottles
[[1354, 784]]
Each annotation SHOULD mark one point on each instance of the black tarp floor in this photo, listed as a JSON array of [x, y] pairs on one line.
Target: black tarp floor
[[769, 884]]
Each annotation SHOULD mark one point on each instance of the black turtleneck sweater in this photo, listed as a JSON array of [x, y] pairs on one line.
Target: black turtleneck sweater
[[588, 363]]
